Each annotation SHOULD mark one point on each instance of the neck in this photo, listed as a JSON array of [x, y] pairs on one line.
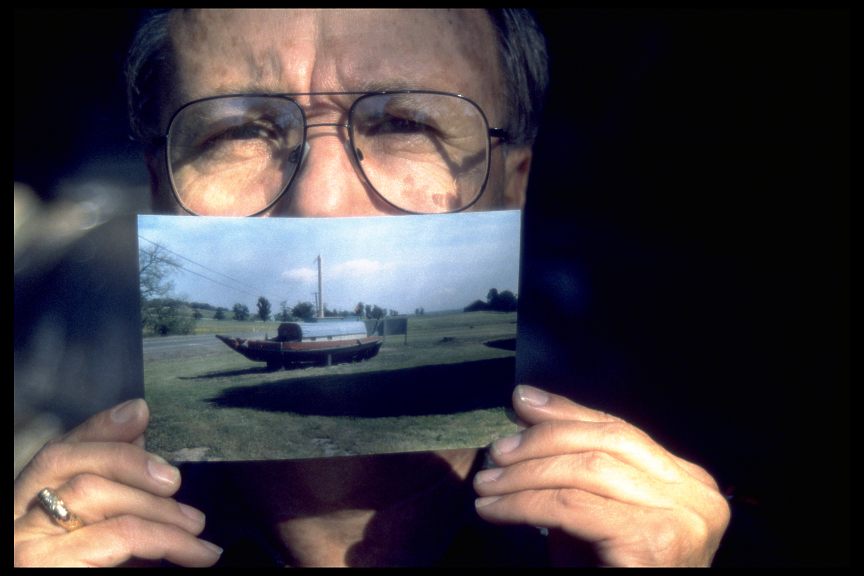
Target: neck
[[382, 510]]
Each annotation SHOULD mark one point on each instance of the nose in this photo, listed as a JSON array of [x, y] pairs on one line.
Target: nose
[[327, 182]]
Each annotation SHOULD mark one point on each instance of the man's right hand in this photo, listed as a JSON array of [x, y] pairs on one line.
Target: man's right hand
[[122, 494]]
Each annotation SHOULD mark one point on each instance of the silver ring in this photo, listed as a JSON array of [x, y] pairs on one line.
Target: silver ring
[[56, 508]]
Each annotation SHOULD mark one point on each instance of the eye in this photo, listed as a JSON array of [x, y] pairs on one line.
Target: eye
[[238, 142], [249, 131], [394, 125], [389, 124]]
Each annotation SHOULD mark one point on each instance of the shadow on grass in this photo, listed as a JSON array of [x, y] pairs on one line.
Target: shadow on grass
[[502, 344], [437, 389], [228, 373]]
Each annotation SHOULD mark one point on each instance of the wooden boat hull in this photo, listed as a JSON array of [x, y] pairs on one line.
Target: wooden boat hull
[[288, 354]]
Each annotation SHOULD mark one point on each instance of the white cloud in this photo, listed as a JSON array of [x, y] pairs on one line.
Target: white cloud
[[355, 268], [300, 274]]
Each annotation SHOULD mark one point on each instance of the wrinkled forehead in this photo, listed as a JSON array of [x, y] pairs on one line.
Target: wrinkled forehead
[[230, 51]]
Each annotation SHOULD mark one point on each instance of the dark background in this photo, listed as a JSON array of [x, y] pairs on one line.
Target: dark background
[[687, 237]]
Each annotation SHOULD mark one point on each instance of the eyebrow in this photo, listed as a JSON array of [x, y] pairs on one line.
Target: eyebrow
[[265, 77], [388, 85], [364, 87]]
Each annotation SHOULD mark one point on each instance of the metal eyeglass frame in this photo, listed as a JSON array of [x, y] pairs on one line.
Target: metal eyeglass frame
[[499, 133]]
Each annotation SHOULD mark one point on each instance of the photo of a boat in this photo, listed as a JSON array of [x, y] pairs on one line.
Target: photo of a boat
[[324, 341], [309, 343]]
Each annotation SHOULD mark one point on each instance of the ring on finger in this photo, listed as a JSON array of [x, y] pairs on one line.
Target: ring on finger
[[56, 508]]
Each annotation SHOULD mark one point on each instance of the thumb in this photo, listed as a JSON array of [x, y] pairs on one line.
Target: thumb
[[533, 405], [124, 422]]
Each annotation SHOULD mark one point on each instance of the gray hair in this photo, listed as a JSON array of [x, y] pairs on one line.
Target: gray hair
[[521, 46], [146, 68], [525, 61]]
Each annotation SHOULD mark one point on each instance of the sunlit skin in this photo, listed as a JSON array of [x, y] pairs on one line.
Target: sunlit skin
[[205, 198], [586, 475]]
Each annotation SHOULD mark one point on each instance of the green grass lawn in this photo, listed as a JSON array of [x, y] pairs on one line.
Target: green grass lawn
[[443, 389]]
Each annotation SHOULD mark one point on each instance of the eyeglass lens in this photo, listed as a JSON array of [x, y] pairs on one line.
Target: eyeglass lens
[[236, 155]]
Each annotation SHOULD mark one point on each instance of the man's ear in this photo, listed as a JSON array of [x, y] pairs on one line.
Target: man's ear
[[517, 166]]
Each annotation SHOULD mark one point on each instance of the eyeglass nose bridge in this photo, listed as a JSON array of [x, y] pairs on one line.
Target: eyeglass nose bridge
[[347, 125], [355, 153]]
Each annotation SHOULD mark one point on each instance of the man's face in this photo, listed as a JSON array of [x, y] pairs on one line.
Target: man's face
[[220, 52]]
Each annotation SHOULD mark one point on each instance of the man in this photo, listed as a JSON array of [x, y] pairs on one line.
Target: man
[[391, 112]]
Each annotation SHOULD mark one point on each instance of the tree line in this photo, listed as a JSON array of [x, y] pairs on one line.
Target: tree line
[[504, 301], [163, 314]]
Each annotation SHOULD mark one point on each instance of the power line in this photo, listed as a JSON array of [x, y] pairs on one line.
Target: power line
[[205, 268], [215, 281], [197, 263]]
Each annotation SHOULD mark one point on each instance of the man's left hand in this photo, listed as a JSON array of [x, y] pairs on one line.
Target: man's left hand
[[589, 476]]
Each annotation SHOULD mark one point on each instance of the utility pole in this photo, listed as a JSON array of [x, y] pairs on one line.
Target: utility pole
[[320, 293]]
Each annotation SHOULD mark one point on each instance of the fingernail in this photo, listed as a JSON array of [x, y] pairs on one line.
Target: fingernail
[[192, 513], [126, 411], [481, 502], [507, 444], [216, 549], [161, 471], [532, 396], [489, 475]]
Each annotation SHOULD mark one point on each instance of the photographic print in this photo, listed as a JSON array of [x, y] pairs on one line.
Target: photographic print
[[290, 338]]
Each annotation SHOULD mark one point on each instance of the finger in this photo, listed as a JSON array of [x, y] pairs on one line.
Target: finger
[[533, 405], [56, 464], [617, 438], [621, 534], [594, 472], [115, 541], [123, 423], [582, 514], [95, 499]]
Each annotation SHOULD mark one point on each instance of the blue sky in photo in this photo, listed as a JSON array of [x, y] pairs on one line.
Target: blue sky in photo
[[437, 262]]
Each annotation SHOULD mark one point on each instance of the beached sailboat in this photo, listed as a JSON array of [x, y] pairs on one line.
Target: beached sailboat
[[327, 341]]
